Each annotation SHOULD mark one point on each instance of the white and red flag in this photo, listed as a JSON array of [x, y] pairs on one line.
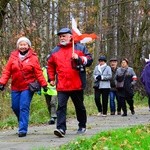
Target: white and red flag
[[78, 36]]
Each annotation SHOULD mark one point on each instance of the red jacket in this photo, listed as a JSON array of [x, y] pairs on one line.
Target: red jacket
[[22, 72], [59, 66]]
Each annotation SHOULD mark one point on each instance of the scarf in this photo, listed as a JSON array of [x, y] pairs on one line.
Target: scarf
[[101, 68]]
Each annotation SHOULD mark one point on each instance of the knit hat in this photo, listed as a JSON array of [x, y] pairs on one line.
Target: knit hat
[[102, 58], [23, 38], [64, 31]]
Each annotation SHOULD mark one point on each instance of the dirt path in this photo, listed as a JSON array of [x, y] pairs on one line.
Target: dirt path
[[43, 136]]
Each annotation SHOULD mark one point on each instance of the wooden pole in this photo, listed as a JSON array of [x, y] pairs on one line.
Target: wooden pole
[[73, 46]]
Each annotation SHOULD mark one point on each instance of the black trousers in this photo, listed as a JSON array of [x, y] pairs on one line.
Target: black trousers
[[123, 101], [77, 98], [149, 101], [104, 93]]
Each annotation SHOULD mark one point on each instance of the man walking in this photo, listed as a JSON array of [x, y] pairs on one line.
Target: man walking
[[67, 63], [113, 91]]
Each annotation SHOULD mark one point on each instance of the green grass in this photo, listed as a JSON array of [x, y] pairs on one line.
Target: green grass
[[39, 113], [134, 138]]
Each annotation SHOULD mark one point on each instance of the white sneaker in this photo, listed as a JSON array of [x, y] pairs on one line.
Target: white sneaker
[[104, 115], [81, 130], [59, 132], [99, 114]]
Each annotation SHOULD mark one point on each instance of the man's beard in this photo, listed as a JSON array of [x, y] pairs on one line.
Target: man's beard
[[64, 43]]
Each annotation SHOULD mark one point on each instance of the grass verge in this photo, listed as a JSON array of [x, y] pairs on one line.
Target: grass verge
[[39, 112], [134, 138]]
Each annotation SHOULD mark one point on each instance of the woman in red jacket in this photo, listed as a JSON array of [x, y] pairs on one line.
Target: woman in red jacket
[[23, 68]]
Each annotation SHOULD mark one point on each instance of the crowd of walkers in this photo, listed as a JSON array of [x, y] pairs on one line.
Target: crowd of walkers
[[64, 77], [115, 85]]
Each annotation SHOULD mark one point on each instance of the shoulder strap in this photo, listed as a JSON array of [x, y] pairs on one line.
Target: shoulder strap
[[125, 72], [104, 70]]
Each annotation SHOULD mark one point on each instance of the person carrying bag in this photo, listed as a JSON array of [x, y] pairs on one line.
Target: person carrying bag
[[23, 68], [102, 74], [120, 80], [126, 79]]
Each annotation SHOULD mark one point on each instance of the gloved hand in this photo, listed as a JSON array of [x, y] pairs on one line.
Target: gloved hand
[[132, 85], [39, 93], [98, 77], [1, 87], [45, 88]]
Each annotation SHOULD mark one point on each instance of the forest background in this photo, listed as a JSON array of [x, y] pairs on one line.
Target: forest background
[[123, 28]]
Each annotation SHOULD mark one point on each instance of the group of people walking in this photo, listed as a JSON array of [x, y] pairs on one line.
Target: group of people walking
[[64, 76], [114, 83], [66, 65]]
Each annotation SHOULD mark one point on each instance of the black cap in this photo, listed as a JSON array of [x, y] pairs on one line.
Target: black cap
[[102, 58], [113, 59], [64, 31]]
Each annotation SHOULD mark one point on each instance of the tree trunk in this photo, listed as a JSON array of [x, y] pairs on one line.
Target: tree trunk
[[3, 5]]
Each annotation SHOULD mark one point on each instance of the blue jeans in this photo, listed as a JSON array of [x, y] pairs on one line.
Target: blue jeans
[[21, 106], [113, 95]]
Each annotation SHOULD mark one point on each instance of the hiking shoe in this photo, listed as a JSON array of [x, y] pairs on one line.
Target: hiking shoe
[[123, 115], [51, 121], [81, 130], [22, 134], [112, 113], [59, 132], [118, 113], [132, 112]]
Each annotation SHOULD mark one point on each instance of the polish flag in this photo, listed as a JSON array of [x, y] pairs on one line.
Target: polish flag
[[78, 36]]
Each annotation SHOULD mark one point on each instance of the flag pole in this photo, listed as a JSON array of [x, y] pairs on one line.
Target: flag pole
[[72, 45]]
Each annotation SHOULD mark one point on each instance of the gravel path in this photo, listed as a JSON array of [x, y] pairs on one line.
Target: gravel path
[[42, 136]]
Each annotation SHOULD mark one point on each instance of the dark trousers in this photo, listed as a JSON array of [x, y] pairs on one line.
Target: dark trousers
[[104, 93], [51, 101], [149, 101], [123, 103], [77, 98]]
